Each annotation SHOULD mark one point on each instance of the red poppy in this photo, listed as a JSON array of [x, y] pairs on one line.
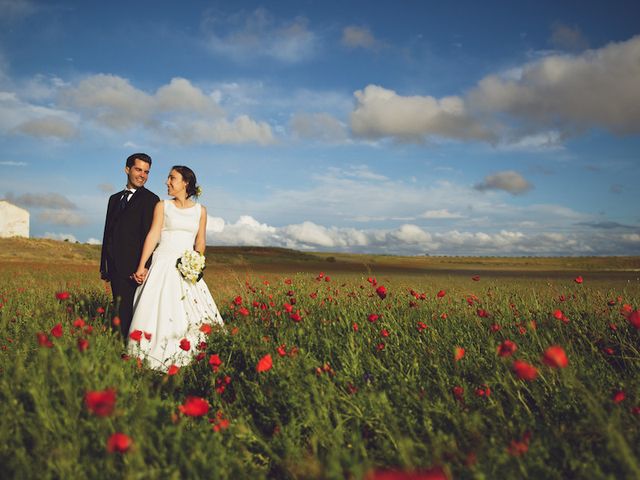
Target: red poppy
[[288, 307], [147, 335], [382, 292], [194, 407], [44, 341], [384, 332], [618, 396], [441, 294], [558, 314], [205, 328], [296, 317], [435, 473], [78, 323], [243, 311], [458, 392], [634, 318], [136, 335], [185, 344], [219, 423], [83, 344], [100, 310], [173, 369], [56, 331], [373, 317], [119, 443], [483, 391], [555, 357], [116, 321], [265, 363], [506, 348], [578, 279], [380, 346], [524, 370], [355, 326], [482, 313], [519, 447], [100, 402], [422, 326], [282, 350], [63, 295], [215, 362], [372, 281], [458, 353], [238, 300]]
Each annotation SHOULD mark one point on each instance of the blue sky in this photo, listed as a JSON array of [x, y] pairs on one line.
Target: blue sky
[[407, 127]]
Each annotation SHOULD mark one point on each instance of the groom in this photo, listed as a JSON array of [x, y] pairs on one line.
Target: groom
[[129, 216]]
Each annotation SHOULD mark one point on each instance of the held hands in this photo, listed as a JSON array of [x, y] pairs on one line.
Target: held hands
[[140, 275]]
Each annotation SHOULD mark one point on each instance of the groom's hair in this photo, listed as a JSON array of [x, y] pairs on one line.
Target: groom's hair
[[140, 156]]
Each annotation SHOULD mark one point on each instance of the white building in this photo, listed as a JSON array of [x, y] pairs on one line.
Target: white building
[[14, 221]]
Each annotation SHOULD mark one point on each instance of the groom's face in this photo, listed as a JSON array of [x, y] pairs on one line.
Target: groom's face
[[137, 174]]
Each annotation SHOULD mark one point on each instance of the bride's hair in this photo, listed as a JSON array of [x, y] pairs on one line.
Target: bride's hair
[[189, 177]]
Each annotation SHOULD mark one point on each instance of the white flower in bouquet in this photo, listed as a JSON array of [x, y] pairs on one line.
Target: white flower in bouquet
[[191, 265]]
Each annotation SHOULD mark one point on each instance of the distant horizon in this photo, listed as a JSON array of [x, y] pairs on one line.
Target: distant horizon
[[329, 252], [497, 128]]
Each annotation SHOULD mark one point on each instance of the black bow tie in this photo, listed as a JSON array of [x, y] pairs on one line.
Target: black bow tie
[[123, 200]]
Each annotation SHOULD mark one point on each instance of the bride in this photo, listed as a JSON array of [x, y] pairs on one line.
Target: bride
[[169, 311]]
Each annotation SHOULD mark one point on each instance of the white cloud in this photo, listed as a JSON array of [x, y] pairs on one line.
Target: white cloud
[[440, 214], [241, 37], [112, 100], [42, 200], [568, 38], [17, 116], [412, 239], [509, 181], [10, 163], [60, 236], [354, 36], [318, 126], [246, 231], [106, 188], [181, 96], [14, 10], [49, 126], [541, 141], [241, 130], [531, 106], [65, 218], [380, 113], [93, 241], [598, 88], [178, 111]]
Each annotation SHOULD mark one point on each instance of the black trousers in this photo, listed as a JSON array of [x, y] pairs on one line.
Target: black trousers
[[123, 289]]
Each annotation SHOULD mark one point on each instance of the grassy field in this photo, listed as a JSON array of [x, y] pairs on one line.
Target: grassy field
[[458, 368]]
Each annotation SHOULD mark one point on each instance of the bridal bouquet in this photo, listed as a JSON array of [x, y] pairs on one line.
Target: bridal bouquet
[[190, 265]]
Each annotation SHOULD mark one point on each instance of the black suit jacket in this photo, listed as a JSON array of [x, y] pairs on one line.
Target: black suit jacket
[[125, 232]]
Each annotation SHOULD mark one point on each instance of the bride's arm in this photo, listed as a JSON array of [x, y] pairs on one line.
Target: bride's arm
[[151, 241], [201, 236]]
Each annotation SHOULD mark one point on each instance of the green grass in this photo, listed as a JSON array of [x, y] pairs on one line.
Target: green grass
[[341, 403]]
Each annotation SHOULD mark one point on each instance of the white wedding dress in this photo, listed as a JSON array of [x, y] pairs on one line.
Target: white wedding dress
[[166, 307]]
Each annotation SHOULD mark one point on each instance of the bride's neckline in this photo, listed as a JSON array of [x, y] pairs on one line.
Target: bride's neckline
[[181, 208]]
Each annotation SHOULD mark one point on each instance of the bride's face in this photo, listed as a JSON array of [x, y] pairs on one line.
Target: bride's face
[[175, 183]]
